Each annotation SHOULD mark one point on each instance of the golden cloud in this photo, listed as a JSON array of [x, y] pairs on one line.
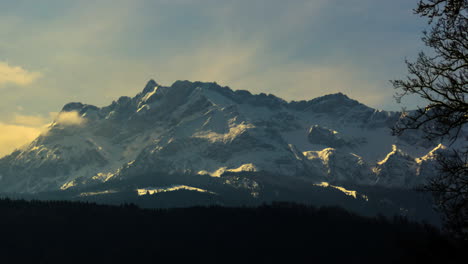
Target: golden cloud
[[29, 120], [69, 118], [21, 130], [16, 75], [14, 136]]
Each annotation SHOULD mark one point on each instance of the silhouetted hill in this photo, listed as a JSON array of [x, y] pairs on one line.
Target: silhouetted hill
[[76, 232]]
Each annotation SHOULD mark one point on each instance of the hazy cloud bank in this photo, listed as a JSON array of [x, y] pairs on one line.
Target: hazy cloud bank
[[13, 136], [16, 75], [70, 118]]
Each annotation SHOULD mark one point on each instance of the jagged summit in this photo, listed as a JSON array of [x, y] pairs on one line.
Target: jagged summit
[[243, 96], [334, 101], [181, 90], [326, 102], [336, 98], [202, 128], [149, 86], [73, 106]]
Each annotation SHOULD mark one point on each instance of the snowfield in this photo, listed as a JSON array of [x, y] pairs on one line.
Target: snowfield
[[195, 128]]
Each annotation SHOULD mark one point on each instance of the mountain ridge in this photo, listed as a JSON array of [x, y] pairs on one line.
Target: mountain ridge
[[200, 128], [148, 91]]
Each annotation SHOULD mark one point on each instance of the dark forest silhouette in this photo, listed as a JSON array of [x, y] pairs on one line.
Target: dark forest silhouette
[[78, 232]]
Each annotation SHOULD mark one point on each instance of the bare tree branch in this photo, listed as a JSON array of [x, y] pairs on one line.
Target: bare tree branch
[[441, 79]]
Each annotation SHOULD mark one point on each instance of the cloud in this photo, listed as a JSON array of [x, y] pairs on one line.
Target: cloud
[[16, 75], [14, 136], [29, 120], [69, 118], [271, 46], [245, 66], [298, 81], [22, 129]]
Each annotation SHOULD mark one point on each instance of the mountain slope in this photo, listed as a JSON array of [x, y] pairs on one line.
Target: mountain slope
[[205, 130]]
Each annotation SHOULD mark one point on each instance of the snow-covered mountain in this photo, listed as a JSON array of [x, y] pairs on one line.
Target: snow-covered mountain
[[202, 130]]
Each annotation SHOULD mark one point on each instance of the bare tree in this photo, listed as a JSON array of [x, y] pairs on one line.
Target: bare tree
[[441, 79], [449, 189]]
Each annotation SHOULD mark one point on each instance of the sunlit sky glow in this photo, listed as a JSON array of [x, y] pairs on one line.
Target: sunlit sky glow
[[56, 51]]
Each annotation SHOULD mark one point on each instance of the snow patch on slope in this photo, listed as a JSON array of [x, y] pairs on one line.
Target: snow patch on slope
[[202, 128], [155, 190], [351, 193]]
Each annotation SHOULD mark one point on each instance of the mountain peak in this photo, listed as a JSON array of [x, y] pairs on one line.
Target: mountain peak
[[327, 103], [335, 97], [191, 127], [150, 86], [179, 83], [73, 106]]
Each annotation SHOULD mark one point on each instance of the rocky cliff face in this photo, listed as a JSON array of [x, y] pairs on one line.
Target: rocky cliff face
[[202, 129]]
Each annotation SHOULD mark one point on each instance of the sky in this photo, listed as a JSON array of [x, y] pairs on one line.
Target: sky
[[57, 51]]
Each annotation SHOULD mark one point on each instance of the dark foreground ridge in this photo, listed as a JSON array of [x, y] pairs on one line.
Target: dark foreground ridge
[[76, 232]]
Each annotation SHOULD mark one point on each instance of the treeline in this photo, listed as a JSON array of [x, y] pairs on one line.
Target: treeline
[[78, 232]]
